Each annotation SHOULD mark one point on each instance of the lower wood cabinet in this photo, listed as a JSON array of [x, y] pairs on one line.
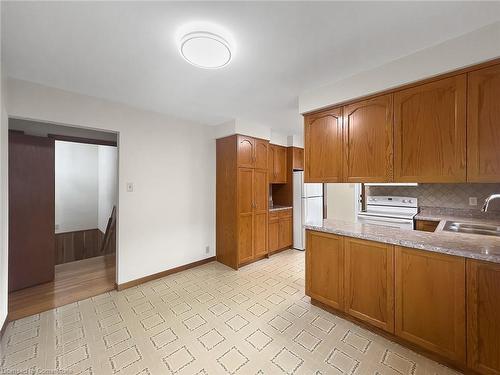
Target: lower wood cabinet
[[426, 225], [369, 282], [430, 301], [325, 268], [280, 229], [483, 317]]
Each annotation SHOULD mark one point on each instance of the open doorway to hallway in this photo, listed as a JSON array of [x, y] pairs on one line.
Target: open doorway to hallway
[[62, 215]]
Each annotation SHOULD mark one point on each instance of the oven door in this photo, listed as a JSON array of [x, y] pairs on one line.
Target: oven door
[[386, 221]]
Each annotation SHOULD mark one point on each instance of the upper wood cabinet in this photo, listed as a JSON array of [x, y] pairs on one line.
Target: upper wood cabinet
[[297, 159], [325, 268], [430, 132], [369, 282], [252, 152], [430, 301], [368, 140], [483, 125], [277, 164], [483, 311], [323, 146]]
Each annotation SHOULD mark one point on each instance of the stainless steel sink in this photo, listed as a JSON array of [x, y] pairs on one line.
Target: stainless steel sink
[[471, 228]]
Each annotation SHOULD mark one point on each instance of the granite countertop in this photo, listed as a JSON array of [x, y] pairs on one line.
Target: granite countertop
[[472, 246], [278, 208]]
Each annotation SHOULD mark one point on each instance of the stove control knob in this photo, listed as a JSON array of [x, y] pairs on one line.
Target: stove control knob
[[405, 201]]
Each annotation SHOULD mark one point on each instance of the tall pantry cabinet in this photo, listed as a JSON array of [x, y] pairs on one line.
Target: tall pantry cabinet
[[242, 200]]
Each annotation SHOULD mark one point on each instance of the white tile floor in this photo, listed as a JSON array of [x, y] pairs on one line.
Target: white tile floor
[[207, 320]]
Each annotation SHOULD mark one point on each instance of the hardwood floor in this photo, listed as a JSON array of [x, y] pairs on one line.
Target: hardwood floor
[[73, 281]]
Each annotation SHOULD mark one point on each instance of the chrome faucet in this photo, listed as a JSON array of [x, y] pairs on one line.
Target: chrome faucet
[[488, 200]]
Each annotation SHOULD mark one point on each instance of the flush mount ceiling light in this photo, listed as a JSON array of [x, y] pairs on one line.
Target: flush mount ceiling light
[[205, 49]]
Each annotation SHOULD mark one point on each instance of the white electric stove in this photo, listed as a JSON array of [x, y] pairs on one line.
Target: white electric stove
[[396, 212]]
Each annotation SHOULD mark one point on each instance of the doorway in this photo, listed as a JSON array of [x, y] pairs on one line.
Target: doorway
[[62, 215]]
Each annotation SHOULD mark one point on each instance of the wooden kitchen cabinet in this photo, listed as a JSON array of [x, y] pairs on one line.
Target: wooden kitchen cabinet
[[430, 132], [323, 146], [277, 165], [426, 225], [483, 312], [280, 230], [273, 231], [483, 130], [369, 282], [368, 140], [430, 301], [297, 159], [242, 193], [325, 268]]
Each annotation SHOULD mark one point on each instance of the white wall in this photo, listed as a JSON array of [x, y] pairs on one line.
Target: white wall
[[341, 202], [76, 186], [107, 183], [170, 217], [469, 49]]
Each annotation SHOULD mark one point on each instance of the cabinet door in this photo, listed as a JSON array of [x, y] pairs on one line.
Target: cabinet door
[[274, 235], [430, 301], [261, 154], [285, 232], [246, 151], [325, 268], [483, 312], [430, 132], [369, 282], [323, 146], [271, 161], [368, 134], [245, 214], [280, 165], [483, 130], [260, 206], [298, 159]]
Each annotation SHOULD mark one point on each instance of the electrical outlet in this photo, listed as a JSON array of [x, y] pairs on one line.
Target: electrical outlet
[[472, 201], [130, 187], [207, 249]]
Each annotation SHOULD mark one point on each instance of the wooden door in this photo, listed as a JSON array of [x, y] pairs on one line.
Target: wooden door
[[369, 282], [325, 268], [285, 232], [246, 151], [430, 132], [483, 125], [323, 146], [297, 159], [430, 301], [273, 235], [368, 140], [483, 312], [280, 165], [245, 214], [260, 207], [31, 210], [261, 154], [271, 161]]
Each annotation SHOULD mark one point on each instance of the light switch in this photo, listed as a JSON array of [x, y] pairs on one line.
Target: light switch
[[130, 187]]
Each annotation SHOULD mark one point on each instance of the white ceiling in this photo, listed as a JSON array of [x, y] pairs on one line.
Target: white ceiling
[[126, 51]]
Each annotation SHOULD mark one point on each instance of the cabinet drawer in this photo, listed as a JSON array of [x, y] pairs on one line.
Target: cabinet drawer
[[273, 215], [285, 213]]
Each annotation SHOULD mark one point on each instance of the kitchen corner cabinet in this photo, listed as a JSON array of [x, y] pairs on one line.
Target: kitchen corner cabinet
[[430, 132], [242, 193], [277, 164], [323, 146], [280, 230], [297, 159], [368, 140], [430, 301], [369, 282], [325, 268], [483, 311], [483, 125]]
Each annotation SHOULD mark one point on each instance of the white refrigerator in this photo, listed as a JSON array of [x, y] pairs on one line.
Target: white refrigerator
[[307, 208]]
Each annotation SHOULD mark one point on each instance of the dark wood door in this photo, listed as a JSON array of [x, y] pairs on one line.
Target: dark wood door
[[31, 210], [261, 154], [280, 165], [246, 151], [260, 206], [323, 146], [430, 132], [483, 130], [245, 214], [368, 140]]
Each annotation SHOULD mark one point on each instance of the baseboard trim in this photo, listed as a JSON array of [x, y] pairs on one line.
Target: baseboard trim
[[145, 279], [4, 326], [280, 250]]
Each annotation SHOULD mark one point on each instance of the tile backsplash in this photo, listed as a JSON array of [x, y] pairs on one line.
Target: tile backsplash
[[442, 195]]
